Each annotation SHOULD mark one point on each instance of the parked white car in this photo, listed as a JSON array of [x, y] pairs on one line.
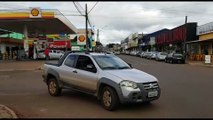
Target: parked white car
[[161, 56], [55, 54], [117, 52], [41, 54], [154, 55]]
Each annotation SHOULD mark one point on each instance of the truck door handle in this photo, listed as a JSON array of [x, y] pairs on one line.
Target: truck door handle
[[75, 71]]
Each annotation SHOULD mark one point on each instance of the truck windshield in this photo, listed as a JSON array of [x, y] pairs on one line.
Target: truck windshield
[[110, 62]]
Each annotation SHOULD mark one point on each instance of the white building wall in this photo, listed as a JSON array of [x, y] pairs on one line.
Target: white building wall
[[2, 47]]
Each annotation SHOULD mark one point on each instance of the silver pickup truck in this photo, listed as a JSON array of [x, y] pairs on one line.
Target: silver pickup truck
[[105, 76]]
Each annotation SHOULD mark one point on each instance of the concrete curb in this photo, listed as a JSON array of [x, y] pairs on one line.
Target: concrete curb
[[9, 70], [201, 65], [11, 112]]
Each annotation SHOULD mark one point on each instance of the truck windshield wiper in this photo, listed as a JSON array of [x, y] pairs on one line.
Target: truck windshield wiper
[[109, 68], [125, 67]]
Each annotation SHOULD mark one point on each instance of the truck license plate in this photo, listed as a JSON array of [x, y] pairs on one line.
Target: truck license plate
[[152, 93]]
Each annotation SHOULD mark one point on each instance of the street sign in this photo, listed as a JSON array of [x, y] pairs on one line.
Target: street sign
[[75, 48], [208, 59], [81, 39]]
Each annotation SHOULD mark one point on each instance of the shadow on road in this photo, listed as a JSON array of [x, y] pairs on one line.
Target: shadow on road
[[86, 98], [80, 96]]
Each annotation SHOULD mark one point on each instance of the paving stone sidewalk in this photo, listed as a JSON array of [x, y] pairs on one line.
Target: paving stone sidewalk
[[6, 112]]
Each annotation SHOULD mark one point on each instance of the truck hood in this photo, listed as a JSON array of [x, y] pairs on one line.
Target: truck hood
[[133, 75]]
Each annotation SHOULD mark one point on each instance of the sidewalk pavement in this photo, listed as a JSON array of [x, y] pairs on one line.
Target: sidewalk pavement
[[199, 63], [12, 65], [6, 112]]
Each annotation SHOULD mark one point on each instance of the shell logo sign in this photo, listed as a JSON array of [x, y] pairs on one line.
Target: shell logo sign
[[35, 12], [81, 39]]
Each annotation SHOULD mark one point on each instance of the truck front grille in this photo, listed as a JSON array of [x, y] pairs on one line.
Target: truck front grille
[[150, 85]]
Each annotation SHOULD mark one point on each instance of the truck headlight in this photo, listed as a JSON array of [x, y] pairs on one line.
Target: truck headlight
[[127, 83]]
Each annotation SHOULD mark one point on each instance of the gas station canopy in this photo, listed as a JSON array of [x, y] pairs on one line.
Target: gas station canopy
[[36, 20]]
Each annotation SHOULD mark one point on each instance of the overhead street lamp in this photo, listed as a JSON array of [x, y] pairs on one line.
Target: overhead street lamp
[[98, 30]]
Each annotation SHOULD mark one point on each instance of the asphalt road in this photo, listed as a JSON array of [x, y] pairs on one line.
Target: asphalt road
[[186, 93]]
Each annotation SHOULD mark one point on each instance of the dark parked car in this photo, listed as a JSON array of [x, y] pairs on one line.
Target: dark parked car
[[175, 58], [138, 53]]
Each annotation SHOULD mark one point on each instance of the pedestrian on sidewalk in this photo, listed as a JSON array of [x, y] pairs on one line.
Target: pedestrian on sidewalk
[[47, 53]]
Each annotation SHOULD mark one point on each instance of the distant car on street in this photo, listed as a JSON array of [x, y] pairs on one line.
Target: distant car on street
[[41, 54], [175, 58], [161, 56], [55, 54], [117, 52], [138, 53], [153, 55], [127, 53], [149, 54]]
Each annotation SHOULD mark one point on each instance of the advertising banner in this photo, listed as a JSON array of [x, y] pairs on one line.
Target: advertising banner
[[75, 48], [60, 44], [208, 59]]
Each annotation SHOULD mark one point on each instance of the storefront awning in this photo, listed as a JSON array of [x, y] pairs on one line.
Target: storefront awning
[[196, 41]]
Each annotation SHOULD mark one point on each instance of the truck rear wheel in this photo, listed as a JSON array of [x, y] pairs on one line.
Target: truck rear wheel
[[109, 98], [53, 87]]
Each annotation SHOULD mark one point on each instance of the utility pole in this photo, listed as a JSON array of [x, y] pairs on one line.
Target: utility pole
[[185, 19], [98, 35], [185, 50], [185, 35], [87, 40]]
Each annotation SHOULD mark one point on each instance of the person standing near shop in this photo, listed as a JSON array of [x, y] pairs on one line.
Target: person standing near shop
[[47, 53], [206, 52]]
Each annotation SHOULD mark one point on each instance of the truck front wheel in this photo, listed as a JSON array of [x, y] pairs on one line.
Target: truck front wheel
[[53, 87], [109, 98]]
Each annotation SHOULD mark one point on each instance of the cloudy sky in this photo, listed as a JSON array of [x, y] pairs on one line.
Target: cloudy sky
[[117, 20]]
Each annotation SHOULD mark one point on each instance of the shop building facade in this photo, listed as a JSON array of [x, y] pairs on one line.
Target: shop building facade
[[174, 40], [10, 45], [203, 45]]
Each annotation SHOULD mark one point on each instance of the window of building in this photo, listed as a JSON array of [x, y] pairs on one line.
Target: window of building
[[194, 48], [212, 48]]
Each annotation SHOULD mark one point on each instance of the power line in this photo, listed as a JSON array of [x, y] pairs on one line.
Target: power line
[[89, 23], [69, 14], [67, 10], [80, 6], [93, 7], [77, 8]]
